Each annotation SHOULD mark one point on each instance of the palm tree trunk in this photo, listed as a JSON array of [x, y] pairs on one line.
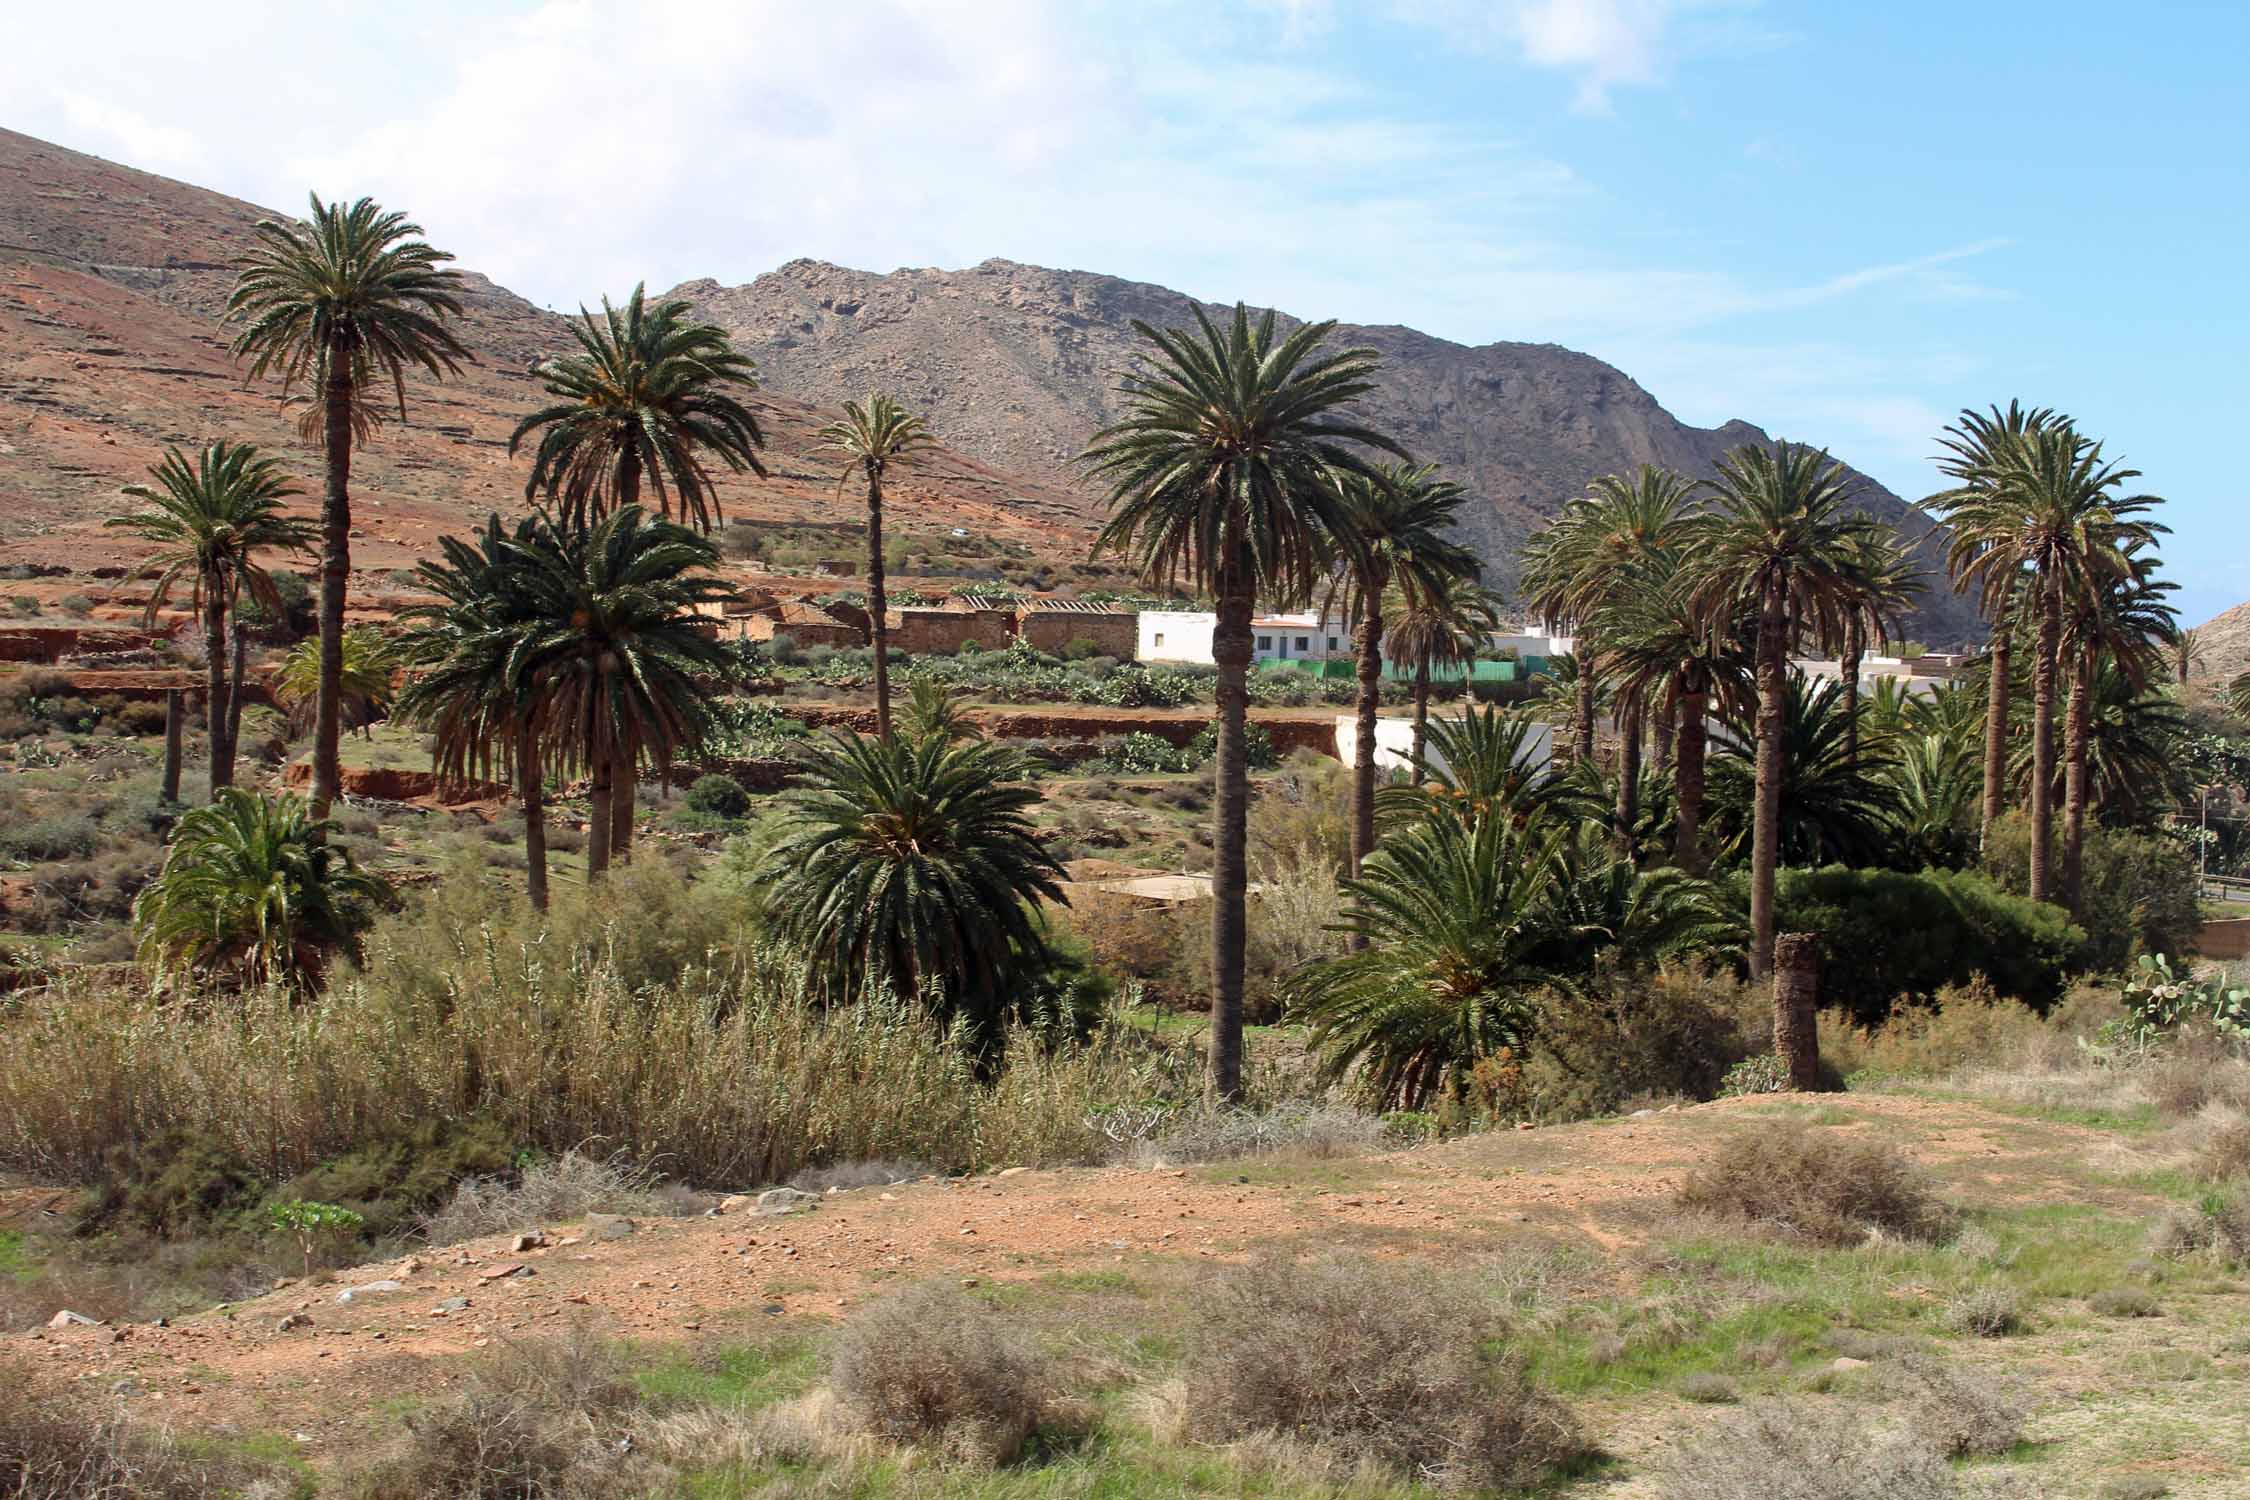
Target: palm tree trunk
[[1765, 836], [531, 787], [879, 634], [1583, 731], [1855, 648], [174, 711], [215, 688], [624, 776], [1363, 737], [1664, 736], [2043, 734], [1421, 712], [1694, 735], [1996, 732], [1230, 649], [1628, 777], [335, 576], [598, 818], [237, 659], [2076, 733]]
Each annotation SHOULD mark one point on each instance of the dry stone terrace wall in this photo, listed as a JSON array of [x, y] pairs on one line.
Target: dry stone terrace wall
[[1117, 635]]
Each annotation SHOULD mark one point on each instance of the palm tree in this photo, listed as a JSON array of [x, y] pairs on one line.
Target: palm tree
[[2051, 512], [1224, 475], [619, 646], [213, 515], [338, 303], [1977, 447], [1932, 778], [2118, 618], [935, 710], [1778, 545], [1551, 565], [913, 864], [253, 886], [870, 439], [2238, 694], [648, 396], [1663, 651], [1884, 580], [364, 686], [1443, 622], [2188, 655], [1835, 807], [1399, 519], [468, 686], [1467, 923], [1483, 764]]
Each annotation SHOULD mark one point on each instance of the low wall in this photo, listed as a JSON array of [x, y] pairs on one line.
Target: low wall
[[1117, 635], [2229, 939]]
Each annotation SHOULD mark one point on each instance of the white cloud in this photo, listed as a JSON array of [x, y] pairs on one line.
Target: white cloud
[[1604, 44]]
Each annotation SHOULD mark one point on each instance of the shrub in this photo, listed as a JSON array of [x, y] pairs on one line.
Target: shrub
[[2125, 1302], [76, 604], [1081, 648], [718, 796], [2216, 1225], [934, 1367], [1143, 754], [1886, 935], [140, 718], [553, 1191], [1828, 1191], [53, 1448], [52, 836], [1788, 1450], [1986, 1312], [1315, 1130], [23, 606], [1965, 1025], [1377, 1359], [1962, 1416], [2225, 1153], [2140, 891], [1257, 746], [1679, 1033], [393, 1180]]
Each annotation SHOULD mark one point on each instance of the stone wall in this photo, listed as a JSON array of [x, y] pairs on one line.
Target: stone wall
[[1118, 635], [942, 631]]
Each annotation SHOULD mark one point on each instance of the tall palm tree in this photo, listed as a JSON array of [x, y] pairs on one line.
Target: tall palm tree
[[1444, 622], [364, 686], [1778, 545], [1551, 565], [1223, 476], [2188, 654], [2052, 512], [338, 303], [871, 439], [1976, 448], [467, 682], [1400, 519], [1834, 808], [1884, 580], [212, 517], [1691, 667], [252, 886], [2119, 618], [913, 863], [620, 646], [648, 397]]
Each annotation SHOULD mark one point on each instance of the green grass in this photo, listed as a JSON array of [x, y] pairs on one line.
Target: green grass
[[744, 1376]]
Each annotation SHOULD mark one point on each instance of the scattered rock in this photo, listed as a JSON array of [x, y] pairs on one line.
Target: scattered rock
[[370, 1289], [530, 1239], [734, 1203], [1012, 1171], [293, 1322], [1846, 1362], [68, 1319], [450, 1305], [501, 1273], [782, 1200], [608, 1227]]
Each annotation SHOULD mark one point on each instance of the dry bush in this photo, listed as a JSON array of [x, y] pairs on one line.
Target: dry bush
[[1317, 1131], [1709, 1388], [1960, 1414], [2195, 1071], [53, 1448], [540, 1420], [932, 1367], [2125, 1302], [2216, 1225], [1640, 1037], [1964, 1026], [559, 1190], [1790, 1450], [1830, 1189], [2225, 1153], [1373, 1358], [1986, 1312]]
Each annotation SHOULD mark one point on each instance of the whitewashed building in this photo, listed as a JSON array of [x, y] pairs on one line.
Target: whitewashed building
[[1184, 636]]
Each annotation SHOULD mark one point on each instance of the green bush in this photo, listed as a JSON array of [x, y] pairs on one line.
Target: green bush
[[1887, 936], [2139, 890], [718, 796], [1081, 648], [1257, 746]]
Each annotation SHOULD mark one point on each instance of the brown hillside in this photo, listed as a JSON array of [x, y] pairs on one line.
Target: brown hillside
[[111, 283], [1018, 365], [2225, 639]]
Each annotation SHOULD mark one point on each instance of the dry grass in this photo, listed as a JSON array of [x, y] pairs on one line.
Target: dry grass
[[1312, 1131], [1986, 1312], [2216, 1226], [1792, 1450], [1962, 1415], [54, 1449], [561, 1190], [1824, 1190], [932, 1367], [1374, 1359], [2225, 1153]]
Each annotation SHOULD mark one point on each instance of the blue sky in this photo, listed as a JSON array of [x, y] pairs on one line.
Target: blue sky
[[1840, 221]]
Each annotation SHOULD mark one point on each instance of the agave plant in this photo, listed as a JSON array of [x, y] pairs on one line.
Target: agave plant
[[254, 887]]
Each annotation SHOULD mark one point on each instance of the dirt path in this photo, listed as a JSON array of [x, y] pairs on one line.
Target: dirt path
[[1602, 1185]]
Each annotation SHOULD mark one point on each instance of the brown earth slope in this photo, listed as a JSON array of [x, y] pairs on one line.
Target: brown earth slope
[[2225, 641], [1019, 365]]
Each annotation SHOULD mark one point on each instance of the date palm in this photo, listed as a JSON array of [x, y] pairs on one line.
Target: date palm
[[468, 685], [1444, 622], [1690, 667], [1976, 448], [1834, 808], [210, 519], [1401, 518], [913, 863], [364, 687], [650, 395], [1778, 547], [871, 439], [619, 643], [2054, 513], [1884, 580], [2118, 618], [337, 304], [252, 886], [1224, 477]]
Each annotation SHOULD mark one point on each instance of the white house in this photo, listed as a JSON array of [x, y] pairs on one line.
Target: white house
[[1394, 743], [1184, 635]]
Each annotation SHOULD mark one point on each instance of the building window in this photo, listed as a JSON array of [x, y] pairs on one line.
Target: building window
[[1332, 643], [1303, 643], [1160, 638], [1265, 643]]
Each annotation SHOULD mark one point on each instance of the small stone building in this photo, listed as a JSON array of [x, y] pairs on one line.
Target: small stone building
[[940, 630], [806, 624], [1052, 624]]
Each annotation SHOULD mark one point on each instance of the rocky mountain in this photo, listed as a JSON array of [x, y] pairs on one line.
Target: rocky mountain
[[2225, 640], [112, 282], [1018, 365]]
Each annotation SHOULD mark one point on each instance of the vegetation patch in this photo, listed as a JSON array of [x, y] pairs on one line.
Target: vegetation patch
[[1822, 1190]]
